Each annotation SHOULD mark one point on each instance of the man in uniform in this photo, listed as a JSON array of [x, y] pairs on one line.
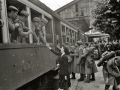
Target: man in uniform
[[22, 31], [41, 32], [35, 26], [113, 72], [12, 14]]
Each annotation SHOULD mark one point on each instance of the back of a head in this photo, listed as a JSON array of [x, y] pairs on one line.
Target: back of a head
[[12, 8], [24, 13], [66, 50]]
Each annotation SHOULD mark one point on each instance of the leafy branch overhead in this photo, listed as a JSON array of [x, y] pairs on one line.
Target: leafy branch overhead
[[107, 17]]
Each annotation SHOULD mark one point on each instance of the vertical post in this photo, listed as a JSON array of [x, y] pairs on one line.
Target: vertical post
[[5, 31], [66, 34], [29, 24], [44, 30]]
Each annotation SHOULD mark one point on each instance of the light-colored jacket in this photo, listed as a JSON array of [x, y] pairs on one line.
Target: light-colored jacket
[[88, 55]]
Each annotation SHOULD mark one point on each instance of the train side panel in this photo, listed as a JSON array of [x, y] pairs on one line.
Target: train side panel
[[21, 65]]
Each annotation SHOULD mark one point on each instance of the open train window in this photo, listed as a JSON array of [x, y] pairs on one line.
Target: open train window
[[1, 37], [14, 35], [49, 31], [46, 30]]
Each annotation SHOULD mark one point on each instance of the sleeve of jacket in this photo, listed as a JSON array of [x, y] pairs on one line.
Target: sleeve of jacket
[[111, 70], [56, 53], [80, 55], [85, 53], [11, 25]]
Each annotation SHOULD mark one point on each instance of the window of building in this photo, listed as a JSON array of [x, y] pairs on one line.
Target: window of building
[[82, 12], [64, 39]]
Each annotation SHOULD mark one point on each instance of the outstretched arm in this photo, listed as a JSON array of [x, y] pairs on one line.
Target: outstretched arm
[[53, 51]]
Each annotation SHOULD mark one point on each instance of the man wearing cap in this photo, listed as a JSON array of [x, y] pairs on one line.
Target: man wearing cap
[[37, 30], [113, 72], [40, 32], [12, 14], [35, 25], [22, 31]]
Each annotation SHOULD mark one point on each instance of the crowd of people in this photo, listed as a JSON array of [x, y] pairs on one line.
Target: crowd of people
[[18, 31], [78, 60]]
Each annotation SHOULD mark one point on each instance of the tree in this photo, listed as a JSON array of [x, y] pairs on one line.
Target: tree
[[107, 18]]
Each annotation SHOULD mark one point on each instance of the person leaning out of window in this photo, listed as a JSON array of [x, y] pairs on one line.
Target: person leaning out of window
[[22, 32], [12, 14]]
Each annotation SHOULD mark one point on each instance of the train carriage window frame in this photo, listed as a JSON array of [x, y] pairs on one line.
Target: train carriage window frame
[[43, 12], [47, 30], [20, 6]]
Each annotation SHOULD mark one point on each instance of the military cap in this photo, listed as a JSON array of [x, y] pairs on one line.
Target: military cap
[[79, 42], [24, 13], [36, 19], [44, 20], [13, 8]]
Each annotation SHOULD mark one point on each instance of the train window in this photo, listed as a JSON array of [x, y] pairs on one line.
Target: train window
[[17, 22], [67, 39], [0, 28], [48, 29], [43, 33], [64, 39]]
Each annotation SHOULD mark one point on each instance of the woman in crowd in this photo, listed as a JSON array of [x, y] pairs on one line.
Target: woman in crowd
[[76, 57], [90, 67], [64, 80]]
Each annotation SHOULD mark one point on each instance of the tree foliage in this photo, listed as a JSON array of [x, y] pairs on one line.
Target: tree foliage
[[107, 18]]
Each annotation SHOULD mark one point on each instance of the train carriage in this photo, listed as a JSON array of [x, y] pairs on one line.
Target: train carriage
[[21, 63]]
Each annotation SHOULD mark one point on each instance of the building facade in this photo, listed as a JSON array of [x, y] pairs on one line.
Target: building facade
[[79, 13]]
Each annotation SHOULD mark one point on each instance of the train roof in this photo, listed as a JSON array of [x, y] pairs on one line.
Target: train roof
[[47, 9]]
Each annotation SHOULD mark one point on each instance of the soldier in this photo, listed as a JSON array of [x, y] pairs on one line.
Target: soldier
[[40, 32], [113, 73], [22, 31], [90, 67], [35, 26], [12, 14]]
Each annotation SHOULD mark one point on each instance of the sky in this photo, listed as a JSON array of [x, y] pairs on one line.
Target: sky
[[55, 4]]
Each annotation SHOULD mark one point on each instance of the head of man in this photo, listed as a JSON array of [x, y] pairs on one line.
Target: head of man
[[36, 21], [12, 12], [43, 22], [23, 15]]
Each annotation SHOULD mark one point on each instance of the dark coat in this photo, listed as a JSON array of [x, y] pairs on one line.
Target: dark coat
[[63, 71]]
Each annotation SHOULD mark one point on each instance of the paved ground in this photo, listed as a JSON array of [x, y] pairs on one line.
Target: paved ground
[[95, 85]]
